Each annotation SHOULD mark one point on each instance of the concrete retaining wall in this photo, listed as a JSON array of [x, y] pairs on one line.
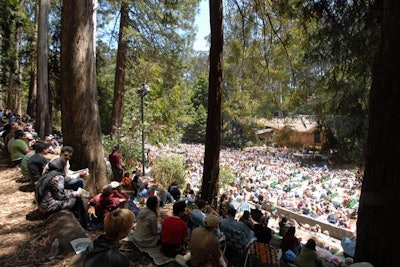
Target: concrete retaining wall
[[334, 231]]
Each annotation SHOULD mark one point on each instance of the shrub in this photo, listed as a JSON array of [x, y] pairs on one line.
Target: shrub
[[226, 176], [168, 169]]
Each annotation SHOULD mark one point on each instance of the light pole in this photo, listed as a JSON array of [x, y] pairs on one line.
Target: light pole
[[142, 92]]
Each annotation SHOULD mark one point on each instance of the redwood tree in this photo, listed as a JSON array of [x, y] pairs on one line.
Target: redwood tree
[[42, 118], [378, 231], [80, 115], [209, 189], [119, 83]]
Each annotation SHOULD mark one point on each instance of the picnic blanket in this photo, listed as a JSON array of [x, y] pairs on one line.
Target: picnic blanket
[[155, 253]]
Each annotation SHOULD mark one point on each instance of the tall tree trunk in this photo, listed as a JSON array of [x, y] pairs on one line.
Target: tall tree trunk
[[79, 108], [119, 82], [32, 95], [42, 100], [31, 108], [378, 230], [209, 188]]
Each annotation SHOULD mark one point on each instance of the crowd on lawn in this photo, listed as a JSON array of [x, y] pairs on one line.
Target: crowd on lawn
[[195, 234]]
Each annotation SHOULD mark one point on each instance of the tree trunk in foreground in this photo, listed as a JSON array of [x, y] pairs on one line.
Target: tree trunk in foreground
[[378, 231], [42, 118], [209, 188], [80, 114]]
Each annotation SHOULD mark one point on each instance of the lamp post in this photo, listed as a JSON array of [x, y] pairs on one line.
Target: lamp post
[[142, 92]]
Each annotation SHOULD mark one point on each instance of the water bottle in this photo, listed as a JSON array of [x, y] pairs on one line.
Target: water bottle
[[54, 248]]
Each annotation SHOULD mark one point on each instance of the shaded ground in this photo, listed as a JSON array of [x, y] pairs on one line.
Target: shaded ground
[[24, 238]]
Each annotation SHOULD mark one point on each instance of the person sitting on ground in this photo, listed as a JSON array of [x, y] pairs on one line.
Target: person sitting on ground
[[198, 214], [187, 189], [246, 220], [174, 191], [19, 147], [190, 198], [37, 162], [104, 250], [55, 147], [165, 197], [9, 136], [147, 232], [283, 225], [118, 193], [143, 191], [256, 213], [135, 185], [204, 245], [73, 179], [262, 231], [116, 163], [348, 246], [231, 223], [174, 232], [127, 181], [308, 256], [100, 205], [290, 242], [222, 208], [24, 163], [51, 195]]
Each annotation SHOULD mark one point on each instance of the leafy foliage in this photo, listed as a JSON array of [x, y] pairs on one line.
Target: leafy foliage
[[168, 169], [226, 176]]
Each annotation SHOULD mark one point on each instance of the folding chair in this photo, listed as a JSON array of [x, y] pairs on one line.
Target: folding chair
[[238, 242], [264, 255]]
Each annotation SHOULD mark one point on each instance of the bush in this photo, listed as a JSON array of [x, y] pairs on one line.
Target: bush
[[226, 176], [169, 169]]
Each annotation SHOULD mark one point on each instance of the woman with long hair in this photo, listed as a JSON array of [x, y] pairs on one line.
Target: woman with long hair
[[147, 231]]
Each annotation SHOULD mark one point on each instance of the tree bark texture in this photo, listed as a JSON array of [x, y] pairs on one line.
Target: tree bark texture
[[378, 231], [80, 115], [119, 82], [209, 189], [42, 124]]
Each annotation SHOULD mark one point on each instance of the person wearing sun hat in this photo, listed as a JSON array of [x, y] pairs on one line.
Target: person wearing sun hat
[[118, 193], [204, 245]]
